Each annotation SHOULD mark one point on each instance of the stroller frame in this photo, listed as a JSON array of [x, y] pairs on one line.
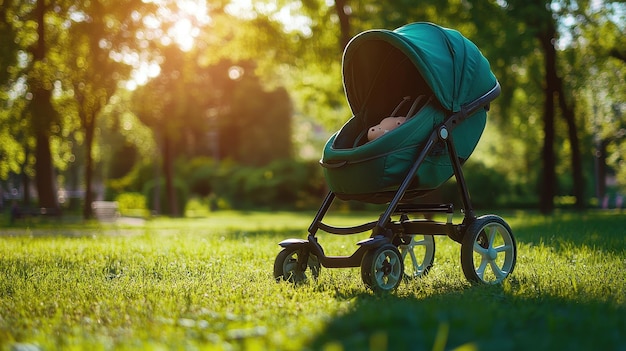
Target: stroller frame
[[382, 267]]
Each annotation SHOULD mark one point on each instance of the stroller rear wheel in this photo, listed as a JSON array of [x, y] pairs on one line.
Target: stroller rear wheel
[[382, 268], [418, 256], [488, 250], [286, 265]]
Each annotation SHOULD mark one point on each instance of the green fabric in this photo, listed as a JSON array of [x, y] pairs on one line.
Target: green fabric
[[380, 68], [452, 66], [382, 164]]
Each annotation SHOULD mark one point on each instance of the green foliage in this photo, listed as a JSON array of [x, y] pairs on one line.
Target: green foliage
[[151, 187], [300, 184], [207, 284], [93, 47], [200, 207], [12, 155], [131, 204], [261, 125], [201, 173], [133, 181], [282, 183], [487, 187]]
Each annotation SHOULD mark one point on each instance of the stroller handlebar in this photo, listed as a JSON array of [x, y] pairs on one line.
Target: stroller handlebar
[[482, 101]]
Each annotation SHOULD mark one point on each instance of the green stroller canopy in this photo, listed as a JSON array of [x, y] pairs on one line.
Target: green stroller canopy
[[382, 68], [375, 62]]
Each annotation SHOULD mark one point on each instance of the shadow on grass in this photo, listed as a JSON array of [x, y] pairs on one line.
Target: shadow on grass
[[600, 230], [480, 318], [503, 317]]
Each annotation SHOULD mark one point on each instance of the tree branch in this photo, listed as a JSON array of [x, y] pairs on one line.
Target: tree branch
[[620, 55]]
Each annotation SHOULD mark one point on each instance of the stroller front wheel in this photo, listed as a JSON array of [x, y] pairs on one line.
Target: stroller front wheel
[[488, 250], [382, 268], [286, 265]]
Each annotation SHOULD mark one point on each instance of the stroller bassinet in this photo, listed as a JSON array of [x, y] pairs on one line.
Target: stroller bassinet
[[435, 67]]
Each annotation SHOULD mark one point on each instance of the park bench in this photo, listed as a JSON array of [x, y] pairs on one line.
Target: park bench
[[105, 211]]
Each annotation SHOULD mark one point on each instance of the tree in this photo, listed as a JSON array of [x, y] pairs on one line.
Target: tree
[[600, 80], [538, 21], [8, 54], [11, 151], [256, 129], [343, 11], [92, 74], [80, 50], [58, 83], [167, 104], [498, 25], [186, 104], [42, 114], [12, 154]]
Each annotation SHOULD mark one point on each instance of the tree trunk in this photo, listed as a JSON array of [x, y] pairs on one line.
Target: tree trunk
[[554, 90], [168, 171], [89, 127], [344, 22], [44, 172], [576, 159], [600, 157], [25, 178], [42, 115], [549, 181], [618, 54]]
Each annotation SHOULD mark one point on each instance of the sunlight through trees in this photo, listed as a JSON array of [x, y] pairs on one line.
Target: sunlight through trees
[[252, 82]]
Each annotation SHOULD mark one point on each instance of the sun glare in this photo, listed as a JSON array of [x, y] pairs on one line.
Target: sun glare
[[174, 23], [188, 19], [184, 33], [179, 22], [288, 16]]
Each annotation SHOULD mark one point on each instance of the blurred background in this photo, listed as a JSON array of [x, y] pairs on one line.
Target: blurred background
[[185, 107]]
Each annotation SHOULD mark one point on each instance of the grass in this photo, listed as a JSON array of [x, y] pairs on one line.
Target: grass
[[206, 284]]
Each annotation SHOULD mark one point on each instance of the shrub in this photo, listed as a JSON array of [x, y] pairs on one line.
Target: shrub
[[134, 181], [132, 204], [197, 207], [488, 188], [181, 196], [281, 184], [199, 174]]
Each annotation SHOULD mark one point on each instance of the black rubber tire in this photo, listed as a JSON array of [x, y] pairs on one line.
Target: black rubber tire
[[382, 268], [285, 265]]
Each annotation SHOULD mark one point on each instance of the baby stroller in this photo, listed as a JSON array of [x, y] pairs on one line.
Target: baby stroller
[[442, 84]]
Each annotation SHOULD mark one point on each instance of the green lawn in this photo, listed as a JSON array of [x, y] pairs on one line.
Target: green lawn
[[206, 284]]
